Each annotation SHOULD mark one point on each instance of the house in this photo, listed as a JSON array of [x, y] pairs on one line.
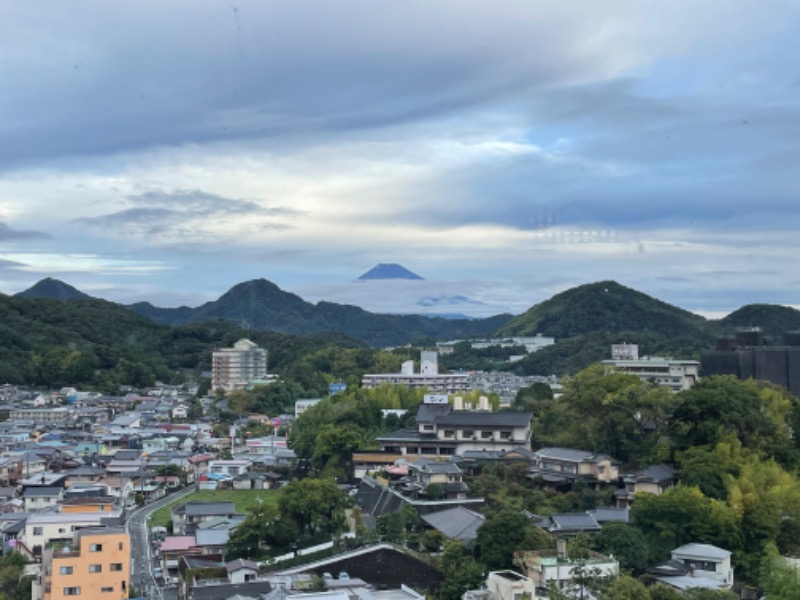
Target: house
[[241, 571], [448, 476], [41, 497], [230, 467], [655, 479], [186, 517], [172, 549], [696, 565], [555, 568], [566, 465]]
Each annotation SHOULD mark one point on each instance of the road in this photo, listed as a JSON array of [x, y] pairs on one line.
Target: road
[[142, 577]]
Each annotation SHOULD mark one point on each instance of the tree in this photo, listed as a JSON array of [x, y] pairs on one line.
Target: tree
[[778, 580], [432, 540], [250, 538], [504, 532], [316, 505], [461, 571], [682, 515], [626, 543], [626, 587]]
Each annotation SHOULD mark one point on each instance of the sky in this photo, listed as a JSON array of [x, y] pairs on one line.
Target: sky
[[504, 150]]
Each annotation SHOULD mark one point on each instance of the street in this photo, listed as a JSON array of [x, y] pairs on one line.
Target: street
[[142, 577]]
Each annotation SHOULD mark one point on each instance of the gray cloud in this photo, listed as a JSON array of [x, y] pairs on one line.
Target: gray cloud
[[9, 234], [180, 214]]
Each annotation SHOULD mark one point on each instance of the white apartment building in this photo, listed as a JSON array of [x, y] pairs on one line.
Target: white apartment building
[[236, 367], [677, 375], [428, 377]]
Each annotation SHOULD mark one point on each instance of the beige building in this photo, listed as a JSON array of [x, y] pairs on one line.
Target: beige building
[[563, 465], [95, 564], [237, 367]]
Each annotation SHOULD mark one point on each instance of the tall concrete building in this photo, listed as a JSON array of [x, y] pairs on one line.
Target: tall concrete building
[[677, 375], [236, 367], [96, 564]]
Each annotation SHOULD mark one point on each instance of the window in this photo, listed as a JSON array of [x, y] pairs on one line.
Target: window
[[66, 570], [120, 545], [61, 530], [38, 531], [116, 566], [72, 591], [106, 589], [95, 547], [95, 568]]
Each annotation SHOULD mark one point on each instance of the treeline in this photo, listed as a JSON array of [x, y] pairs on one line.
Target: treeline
[[99, 345]]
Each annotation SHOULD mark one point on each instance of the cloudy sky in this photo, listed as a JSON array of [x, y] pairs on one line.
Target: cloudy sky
[[503, 150]]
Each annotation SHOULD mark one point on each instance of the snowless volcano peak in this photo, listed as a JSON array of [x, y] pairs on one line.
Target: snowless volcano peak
[[389, 271]]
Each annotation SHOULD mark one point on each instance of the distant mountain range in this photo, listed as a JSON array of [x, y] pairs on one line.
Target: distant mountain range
[[585, 320], [262, 305]]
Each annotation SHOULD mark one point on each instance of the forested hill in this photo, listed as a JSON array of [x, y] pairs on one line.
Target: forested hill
[[101, 345], [605, 306], [262, 305]]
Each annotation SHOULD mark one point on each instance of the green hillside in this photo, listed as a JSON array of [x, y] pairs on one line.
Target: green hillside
[[605, 306], [772, 318], [262, 305]]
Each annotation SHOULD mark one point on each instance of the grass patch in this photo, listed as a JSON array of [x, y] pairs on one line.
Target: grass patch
[[242, 501]]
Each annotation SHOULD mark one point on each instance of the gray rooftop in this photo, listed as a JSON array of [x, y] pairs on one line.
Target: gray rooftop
[[701, 551], [456, 523]]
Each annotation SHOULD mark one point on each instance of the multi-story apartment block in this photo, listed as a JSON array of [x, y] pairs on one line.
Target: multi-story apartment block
[[677, 375], [236, 367], [428, 377], [95, 564]]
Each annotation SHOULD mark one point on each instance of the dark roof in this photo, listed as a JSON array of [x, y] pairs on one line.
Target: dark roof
[[456, 523], [223, 592], [43, 491], [411, 435], [376, 499], [200, 509], [426, 413], [566, 522], [241, 563], [607, 514], [468, 418], [656, 474], [569, 454]]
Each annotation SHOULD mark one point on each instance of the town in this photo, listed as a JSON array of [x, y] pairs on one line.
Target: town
[[637, 477]]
